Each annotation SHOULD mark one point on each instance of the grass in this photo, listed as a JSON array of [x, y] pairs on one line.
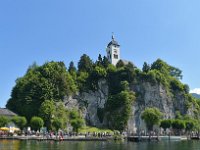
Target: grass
[[94, 129]]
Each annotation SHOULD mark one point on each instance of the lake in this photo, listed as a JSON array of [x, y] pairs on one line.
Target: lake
[[66, 145]]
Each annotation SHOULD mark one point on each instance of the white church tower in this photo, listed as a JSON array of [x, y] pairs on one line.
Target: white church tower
[[113, 51]]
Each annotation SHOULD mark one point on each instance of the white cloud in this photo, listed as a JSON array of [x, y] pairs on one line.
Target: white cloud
[[196, 90]]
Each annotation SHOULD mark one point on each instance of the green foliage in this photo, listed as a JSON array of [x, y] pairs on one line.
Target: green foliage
[[119, 106], [166, 124], [49, 81], [146, 67], [176, 85], [19, 121], [186, 89], [87, 129], [47, 111], [82, 80], [161, 66], [178, 115], [36, 123], [72, 70], [178, 124], [105, 62], [190, 124], [152, 117], [120, 64], [175, 72], [41, 90], [77, 124], [97, 73], [85, 64], [57, 124], [3, 121], [74, 114], [99, 62], [76, 120]]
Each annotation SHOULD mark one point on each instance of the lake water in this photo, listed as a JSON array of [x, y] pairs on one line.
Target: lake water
[[51, 145]]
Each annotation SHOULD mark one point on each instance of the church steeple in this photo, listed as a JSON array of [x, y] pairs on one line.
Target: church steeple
[[113, 38], [113, 51]]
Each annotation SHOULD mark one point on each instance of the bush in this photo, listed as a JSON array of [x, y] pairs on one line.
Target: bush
[[57, 124], [151, 116], [165, 124], [178, 124], [3, 121], [73, 114], [36, 123], [19, 121], [77, 124]]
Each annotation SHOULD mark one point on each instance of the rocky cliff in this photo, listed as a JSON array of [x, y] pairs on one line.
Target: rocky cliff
[[147, 95]]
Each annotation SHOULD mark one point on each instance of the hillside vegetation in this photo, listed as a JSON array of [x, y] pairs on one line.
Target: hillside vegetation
[[41, 91]]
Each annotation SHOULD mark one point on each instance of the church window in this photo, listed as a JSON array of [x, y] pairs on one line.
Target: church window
[[115, 56]]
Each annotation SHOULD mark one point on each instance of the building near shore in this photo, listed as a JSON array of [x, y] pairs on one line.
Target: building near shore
[[7, 113]]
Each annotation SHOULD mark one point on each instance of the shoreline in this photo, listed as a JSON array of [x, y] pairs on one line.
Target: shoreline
[[82, 138], [40, 138]]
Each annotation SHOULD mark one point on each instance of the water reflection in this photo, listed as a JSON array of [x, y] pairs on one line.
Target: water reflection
[[111, 145]]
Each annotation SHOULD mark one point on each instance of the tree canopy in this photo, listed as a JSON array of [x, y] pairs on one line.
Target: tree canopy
[[151, 116], [36, 123], [50, 81]]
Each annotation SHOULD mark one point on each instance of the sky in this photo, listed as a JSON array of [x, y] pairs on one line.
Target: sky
[[62, 30]]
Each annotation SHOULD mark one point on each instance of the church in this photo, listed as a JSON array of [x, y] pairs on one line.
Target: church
[[113, 52]]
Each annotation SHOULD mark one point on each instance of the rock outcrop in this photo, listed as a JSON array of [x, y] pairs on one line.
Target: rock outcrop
[[147, 95]]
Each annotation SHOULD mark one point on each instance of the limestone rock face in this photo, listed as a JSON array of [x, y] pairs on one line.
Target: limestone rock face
[[89, 102], [147, 95], [155, 95]]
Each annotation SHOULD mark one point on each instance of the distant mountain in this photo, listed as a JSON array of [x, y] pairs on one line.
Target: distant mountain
[[196, 95]]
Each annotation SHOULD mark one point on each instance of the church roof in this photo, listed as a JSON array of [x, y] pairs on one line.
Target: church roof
[[126, 62], [113, 42]]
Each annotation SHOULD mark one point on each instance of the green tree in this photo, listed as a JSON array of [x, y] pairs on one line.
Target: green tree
[[166, 69], [57, 124], [178, 115], [73, 114], [76, 120], [119, 108], [36, 123], [120, 64], [19, 121], [40, 83], [165, 124], [105, 62], [47, 111], [175, 72], [152, 117], [72, 70], [3, 121], [178, 125], [77, 124], [191, 124], [61, 114], [82, 80], [146, 67], [72, 67], [99, 62], [85, 64]]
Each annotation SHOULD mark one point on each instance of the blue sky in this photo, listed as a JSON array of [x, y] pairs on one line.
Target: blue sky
[[62, 30]]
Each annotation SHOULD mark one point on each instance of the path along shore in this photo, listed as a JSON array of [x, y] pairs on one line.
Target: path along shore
[[65, 138]]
